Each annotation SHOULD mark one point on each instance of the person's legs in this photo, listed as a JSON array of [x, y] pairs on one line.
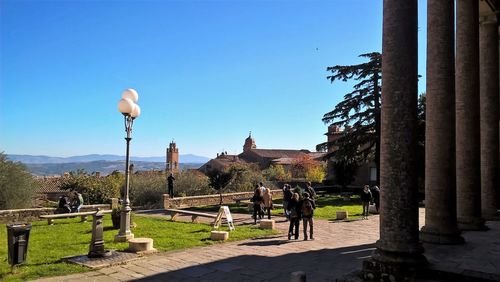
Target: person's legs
[[311, 228], [297, 223], [304, 222], [255, 211], [290, 229]]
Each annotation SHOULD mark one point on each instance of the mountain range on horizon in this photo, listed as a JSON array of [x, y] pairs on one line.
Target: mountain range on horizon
[[41, 159]]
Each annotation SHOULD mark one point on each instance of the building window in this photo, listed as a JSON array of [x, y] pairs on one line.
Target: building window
[[373, 174]]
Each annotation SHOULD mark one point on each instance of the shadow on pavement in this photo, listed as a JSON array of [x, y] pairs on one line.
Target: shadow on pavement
[[320, 265]]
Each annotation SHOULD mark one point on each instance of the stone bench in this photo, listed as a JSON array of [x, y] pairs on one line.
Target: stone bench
[[83, 215], [219, 235], [342, 215], [141, 245], [244, 199], [267, 224], [194, 215]]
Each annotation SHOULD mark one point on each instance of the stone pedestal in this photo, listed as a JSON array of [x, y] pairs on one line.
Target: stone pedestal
[[267, 224], [219, 235], [342, 215], [141, 245]]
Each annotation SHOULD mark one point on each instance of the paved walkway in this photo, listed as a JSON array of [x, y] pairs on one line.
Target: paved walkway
[[338, 248]]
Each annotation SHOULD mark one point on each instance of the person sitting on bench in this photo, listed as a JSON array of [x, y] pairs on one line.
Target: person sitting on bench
[[63, 206], [77, 202]]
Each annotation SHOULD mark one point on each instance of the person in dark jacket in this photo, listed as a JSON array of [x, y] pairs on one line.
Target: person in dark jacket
[[366, 198], [287, 197], [310, 190], [295, 210], [308, 206], [257, 204]]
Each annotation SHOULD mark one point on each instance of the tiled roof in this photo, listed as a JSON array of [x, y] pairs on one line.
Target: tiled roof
[[279, 153], [48, 184]]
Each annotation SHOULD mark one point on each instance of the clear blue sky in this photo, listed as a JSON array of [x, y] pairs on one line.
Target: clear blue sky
[[207, 72]]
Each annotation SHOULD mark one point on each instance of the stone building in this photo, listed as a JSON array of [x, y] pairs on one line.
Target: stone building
[[172, 164], [462, 131], [263, 158], [366, 173]]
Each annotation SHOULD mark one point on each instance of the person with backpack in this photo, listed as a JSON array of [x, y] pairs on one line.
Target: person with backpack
[[366, 198], [294, 208], [257, 204], [308, 206]]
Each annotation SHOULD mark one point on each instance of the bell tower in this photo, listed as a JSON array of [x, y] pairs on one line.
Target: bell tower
[[172, 157], [249, 143]]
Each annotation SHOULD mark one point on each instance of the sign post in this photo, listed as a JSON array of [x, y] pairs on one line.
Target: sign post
[[224, 211]]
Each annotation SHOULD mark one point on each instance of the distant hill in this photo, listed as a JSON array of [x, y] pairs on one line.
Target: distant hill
[[103, 167], [105, 164], [30, 159]]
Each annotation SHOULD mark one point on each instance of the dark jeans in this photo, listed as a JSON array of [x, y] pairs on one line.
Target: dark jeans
[[310, 221], [294, 222], [257, 209], [366, 206], [171, 191], [268, 209]]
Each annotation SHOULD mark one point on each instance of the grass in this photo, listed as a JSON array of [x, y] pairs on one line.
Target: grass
[[68, 237], [326, 207]]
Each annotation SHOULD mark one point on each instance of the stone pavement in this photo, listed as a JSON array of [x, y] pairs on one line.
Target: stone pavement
[[338, 248]]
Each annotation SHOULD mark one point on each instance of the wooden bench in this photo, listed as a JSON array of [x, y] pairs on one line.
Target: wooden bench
[[194, 215], [239, 200], [83, 215], [250, 205]]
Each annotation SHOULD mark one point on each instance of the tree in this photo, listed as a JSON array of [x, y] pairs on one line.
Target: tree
[[16, 184], [358, 113], [277, 173], [219, 179], [93, 188]]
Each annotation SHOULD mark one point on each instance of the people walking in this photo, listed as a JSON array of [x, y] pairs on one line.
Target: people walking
[[376, 197], [308, 206], [267, 202], [257, 204], [294, 207], [366, 198]]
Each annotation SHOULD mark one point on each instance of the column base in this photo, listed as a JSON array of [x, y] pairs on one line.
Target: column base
[[427, 236], [124, 237], [471, 224], [390, 267]]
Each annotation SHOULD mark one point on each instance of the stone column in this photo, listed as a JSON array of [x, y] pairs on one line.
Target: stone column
[[468, 167], [489, 91], [440, 191], [398, 254]]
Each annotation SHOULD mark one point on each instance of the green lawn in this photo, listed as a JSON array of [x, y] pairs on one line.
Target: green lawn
[[68, 237], [326, 207]]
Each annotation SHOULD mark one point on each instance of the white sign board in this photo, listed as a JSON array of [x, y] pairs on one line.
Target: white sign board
[[224, 211]]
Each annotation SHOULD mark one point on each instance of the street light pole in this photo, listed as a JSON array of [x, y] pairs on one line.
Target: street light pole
[[130, 110]]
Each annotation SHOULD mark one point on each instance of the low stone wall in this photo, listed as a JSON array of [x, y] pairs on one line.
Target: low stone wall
[[207, 200], [28, 215]]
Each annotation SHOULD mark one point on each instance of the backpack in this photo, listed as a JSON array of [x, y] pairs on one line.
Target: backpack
[[307, 208]]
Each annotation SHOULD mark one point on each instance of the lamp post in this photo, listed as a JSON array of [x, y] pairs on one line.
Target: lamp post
[[130, 110]]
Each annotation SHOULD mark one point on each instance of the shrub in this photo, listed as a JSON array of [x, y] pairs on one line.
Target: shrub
[[316, 174], [146, 190], [16, 184], [277, 173], [94, 189], [191, 183]]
